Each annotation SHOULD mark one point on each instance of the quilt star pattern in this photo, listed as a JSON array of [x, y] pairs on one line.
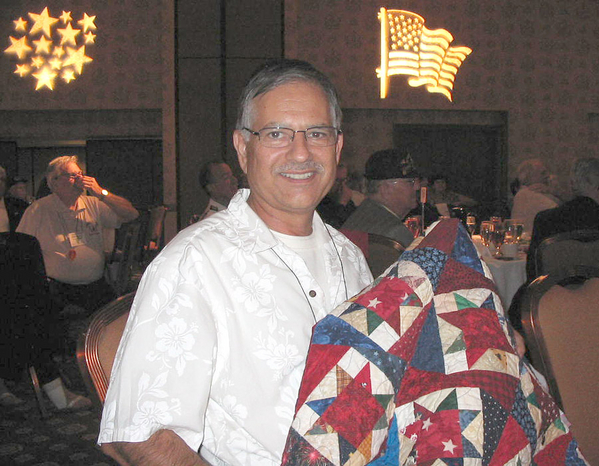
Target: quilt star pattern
[[421, 368]]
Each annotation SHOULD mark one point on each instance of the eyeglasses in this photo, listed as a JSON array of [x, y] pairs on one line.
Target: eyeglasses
[[316, 136], [412, 181], [72, 176]]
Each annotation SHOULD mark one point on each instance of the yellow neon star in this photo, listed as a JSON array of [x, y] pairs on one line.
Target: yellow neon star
[[43, 22], [37, 62], [42, 45], [46, 78], [55, 63], [77, 58], [87, 22], [66, 17], [90, 38], [68, 75], [58, 51], [19, 47], [22, 70], [68, 34], [20, 24]]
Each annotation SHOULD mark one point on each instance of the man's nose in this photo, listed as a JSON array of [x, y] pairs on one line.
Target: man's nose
[[299, 146]]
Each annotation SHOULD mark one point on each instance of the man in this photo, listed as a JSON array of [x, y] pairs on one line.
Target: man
[[220, 184], [217, 338], [11, 208], [580, 213], [391, 187], [534, 194], [69, 226], [18, 189], [340, 202]]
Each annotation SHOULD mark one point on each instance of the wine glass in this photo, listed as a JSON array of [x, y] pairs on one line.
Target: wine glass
[[497, 238], [486, 228], [471, 224]]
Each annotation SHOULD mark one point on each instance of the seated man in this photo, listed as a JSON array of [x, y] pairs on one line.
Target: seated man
[[217, 336], [421, 368], [391, 188], [534, 194], [69, 227], [340, 202], [580, 213], [220, 184]]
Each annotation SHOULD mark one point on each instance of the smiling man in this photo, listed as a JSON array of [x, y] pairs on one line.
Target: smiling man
[[216, 342]]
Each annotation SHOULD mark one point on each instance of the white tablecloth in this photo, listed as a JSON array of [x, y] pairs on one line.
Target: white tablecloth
[[509, 275]]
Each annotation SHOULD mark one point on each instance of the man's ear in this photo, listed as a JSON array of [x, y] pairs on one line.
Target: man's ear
[[338, 147], [241, 147]]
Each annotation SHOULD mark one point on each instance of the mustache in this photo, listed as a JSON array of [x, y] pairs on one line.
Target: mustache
[[304, 166]]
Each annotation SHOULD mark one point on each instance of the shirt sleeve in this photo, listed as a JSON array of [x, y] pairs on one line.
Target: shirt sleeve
[[164, 365], [29, 221]]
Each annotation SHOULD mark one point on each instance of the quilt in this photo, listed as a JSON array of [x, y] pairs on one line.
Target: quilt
[[421, 368]]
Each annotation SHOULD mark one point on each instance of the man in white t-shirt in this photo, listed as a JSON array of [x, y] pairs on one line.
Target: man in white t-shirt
[[69, 227], [215, 345]]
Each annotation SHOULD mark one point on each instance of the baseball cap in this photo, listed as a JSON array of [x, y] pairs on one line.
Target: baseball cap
[[389, 164]]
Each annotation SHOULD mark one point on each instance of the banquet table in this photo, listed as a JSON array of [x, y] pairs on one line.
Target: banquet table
[[509, 274]]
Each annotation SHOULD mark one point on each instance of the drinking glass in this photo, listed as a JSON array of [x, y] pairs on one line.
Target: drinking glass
[[471, 224], [486, 228], [497, 238]]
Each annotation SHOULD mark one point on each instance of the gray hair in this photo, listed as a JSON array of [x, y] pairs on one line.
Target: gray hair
[[57, 166], [527, 169], [584, 174], [277, 73]]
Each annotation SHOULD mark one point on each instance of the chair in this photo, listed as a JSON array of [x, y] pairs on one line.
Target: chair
[[561, 323], [579, 247], [154, 236], [97, 347], [382, 252], [120, 264], [26, 305]]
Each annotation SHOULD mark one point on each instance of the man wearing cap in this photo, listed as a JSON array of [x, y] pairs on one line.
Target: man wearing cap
[[391, 187], [11, 209]]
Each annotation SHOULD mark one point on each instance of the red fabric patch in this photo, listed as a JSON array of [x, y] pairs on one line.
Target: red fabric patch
[[458, 276], [321, 359], [353, 421], [439, 436], [555, 452], [513, 439], [442, 237]]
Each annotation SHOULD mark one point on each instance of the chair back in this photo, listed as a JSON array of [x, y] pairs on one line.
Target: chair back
[[566, 250], [97, 347], [561, 323], [153, 236], [120, 264], [382, 252]]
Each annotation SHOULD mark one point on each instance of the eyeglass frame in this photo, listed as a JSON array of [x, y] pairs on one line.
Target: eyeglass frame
[[305, 131], [70, 175]]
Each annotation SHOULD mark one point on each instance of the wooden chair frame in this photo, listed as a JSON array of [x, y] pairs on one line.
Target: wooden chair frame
[[94, 359], [581, 236]]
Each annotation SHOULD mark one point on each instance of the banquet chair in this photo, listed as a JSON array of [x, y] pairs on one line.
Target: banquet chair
[[153, 236], [119, 267], [561, 323], [578, 247], [97, 347], [382, 252]]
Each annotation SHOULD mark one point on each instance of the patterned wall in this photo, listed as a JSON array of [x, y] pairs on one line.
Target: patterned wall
[[538, 61]]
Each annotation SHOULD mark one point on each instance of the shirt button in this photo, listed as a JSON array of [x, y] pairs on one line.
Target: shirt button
[[312, 293]]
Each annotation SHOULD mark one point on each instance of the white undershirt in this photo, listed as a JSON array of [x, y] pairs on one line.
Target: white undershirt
[[310, 250], [4, 222]]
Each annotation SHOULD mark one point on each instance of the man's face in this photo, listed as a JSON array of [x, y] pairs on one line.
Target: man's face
[[292, 179], [224, 184], [399, 194], [70, 181]]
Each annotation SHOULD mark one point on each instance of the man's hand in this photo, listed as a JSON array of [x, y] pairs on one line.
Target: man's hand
[[121, 206], [164, 447]]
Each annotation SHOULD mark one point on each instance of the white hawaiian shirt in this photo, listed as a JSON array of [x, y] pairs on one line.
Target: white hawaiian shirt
[[215, 344]]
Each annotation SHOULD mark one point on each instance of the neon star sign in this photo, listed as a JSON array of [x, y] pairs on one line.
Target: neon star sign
[[51, 49]]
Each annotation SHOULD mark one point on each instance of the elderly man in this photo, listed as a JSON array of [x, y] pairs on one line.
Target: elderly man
[[580, 213], [219, 182], [217, 338], [69, 226], [391, 187], [534, 194]]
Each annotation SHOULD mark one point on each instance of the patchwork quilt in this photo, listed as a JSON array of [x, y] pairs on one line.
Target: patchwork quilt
[[420, 368]]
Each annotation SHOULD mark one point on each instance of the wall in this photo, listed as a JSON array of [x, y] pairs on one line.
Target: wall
[[537, 61]]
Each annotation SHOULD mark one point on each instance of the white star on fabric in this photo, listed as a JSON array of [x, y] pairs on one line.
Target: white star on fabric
[[449, 446], [374, 302], [426, 424]]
